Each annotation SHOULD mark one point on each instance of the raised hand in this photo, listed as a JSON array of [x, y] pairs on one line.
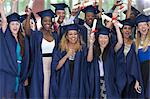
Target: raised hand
[[2, 1]]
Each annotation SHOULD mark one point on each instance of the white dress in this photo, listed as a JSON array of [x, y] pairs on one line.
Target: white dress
[[47, 48]]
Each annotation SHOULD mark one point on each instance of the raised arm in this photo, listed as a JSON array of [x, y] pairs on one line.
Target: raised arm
[[91, 48], [2, 12], [129, 9], [27, 22], [14, 6], [119, 37]]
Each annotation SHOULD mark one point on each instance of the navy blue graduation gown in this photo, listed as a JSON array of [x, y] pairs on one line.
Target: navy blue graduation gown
[[64, 88], [9, 69], [133, 73], [37, 76], [111, 76]]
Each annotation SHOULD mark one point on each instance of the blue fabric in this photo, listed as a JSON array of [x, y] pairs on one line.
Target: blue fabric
[[133, 73], [64, 87], [144, 56], [37, 76], [9, 67], [111, 74]]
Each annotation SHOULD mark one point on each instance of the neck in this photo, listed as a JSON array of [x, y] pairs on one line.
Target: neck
[[126, 40], [15, 35], [71, 46]]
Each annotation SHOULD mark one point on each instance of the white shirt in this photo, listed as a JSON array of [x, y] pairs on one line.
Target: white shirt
[[47, 47], [101, 68]]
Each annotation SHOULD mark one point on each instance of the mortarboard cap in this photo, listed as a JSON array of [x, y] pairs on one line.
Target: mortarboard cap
[[71, 27], [128, 22], [91, 9], [103, 30], [23, 17], [134, 11], [45, 13], [60, 6], [141, 18], [109, 14], [13, 17]]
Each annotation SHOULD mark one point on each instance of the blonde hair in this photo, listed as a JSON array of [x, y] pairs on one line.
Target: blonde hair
[[145, 43], [63, 46]]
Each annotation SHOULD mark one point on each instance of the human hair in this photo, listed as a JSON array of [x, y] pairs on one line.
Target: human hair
[[146, 41], [63, 46], [97, 50]]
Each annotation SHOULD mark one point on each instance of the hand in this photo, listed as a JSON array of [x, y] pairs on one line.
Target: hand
[[14, 1], [1, 1], [26, 82], [92, 39], [130, 2], [137, 87], [28, 10], [71, 52], [118, 3]]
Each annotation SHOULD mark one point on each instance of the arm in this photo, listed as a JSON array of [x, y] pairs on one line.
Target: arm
[[90, 49], [119, 37], [115, 5], [63, 60], [27, 22], [2, 12], [14, 6], [129, 9]]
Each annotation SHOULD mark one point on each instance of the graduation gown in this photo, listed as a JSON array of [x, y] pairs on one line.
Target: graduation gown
[[37, 75], [9, 67], [111, 76], [64, 87], [144, 58], [133, 73]]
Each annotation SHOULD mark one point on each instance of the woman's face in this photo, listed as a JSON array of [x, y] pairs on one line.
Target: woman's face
[[14, 27], [127, 31], [72, 36], [47, 23], [143, 28], [89, 17], [103, 40]]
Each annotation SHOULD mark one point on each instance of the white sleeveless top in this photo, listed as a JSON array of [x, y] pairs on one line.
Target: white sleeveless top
[[47, 47]]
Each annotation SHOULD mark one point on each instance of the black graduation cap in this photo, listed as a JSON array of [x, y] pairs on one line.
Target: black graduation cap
[[23, 17], [60, 6], [128, 22], [45, 13], [72, 27], [91, 9], [13, 17], [148, 17], [103, 30], [141, 18], [109, 14], [134, 11]]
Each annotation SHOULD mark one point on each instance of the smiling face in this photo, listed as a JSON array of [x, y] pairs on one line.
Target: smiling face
[[72, 36], [89, 17], [103, 40], [143, 28], [61, 14], [14, 27], [127, 31], [47, 23]]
